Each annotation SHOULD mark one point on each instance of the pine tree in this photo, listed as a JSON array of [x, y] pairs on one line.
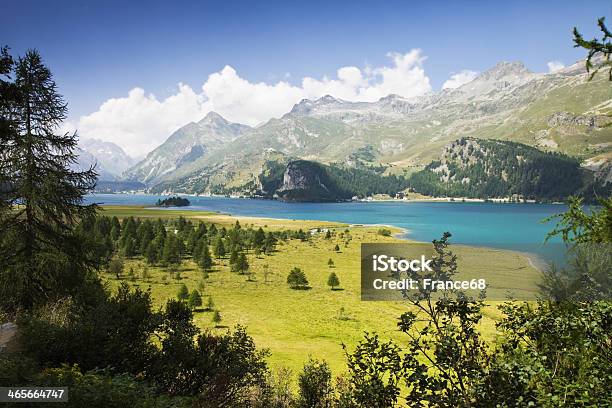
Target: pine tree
[[258, 238], [129, 248], [210, 305], [330, 263], [333, 280], [219, 248], [269, 243], [171, 253], [242, 264], [183, 293], [145, 236], [41, 256], [194, 244], [128, 231], [205, 260], [195, 299], [597, 48], [297, 279], [233, 260], [217, 318], [151, 253], [115, 229]]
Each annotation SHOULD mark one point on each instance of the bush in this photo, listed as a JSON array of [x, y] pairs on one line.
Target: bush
[[114, 333], [385, 232], [315, 387], [118, 335], [101, 389]]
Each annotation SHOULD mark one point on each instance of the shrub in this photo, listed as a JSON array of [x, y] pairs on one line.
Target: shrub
[[385, 232], [114, 333], [315, 387]]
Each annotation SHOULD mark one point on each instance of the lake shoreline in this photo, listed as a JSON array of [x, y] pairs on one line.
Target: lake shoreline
[[510, 226], [399, 233], [465, 200]]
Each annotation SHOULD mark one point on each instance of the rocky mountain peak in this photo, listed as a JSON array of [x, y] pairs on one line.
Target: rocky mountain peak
[[213, 118], [110, 157], [326, 100], [505, 69], [301, 108]]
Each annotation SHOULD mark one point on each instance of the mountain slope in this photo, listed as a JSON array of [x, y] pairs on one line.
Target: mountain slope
[[481, 168], [111, 159], [86, 160], [184, 146], [507, 102]]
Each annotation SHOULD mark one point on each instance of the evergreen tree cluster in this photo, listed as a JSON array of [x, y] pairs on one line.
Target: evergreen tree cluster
[[364, 182], [169, 242], [479, 168], [110, 349], [173, 202]]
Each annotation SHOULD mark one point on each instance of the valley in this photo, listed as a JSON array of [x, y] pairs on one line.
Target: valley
[[315, 322], [558, 113]]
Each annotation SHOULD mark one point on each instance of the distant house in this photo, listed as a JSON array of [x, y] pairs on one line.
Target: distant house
[[315, 231]]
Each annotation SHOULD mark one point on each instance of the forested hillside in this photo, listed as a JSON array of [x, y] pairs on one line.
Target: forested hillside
[[304, 180], [482, 168]]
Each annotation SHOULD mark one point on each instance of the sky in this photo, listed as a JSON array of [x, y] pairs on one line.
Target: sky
[[133, 72]]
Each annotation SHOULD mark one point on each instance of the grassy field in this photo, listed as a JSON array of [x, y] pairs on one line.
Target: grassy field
[[295, 324]]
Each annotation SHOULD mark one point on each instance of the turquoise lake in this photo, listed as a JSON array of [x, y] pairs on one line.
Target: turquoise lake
[[508, 226]]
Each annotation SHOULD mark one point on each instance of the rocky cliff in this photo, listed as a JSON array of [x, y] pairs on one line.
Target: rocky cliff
[[306, 181]]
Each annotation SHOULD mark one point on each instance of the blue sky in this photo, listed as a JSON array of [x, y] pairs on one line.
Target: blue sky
[[102, 49]]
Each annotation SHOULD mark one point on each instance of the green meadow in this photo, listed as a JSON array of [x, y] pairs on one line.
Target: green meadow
[[296, 324]]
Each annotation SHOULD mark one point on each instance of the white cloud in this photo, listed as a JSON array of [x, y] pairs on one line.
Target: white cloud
[[554, 66], [139, 122], [459, 79]]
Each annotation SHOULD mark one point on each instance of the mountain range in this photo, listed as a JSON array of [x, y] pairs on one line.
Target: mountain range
[[555, 112]]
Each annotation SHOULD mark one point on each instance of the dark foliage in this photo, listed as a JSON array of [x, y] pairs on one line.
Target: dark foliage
[[41, 256], [315, 386], [173, 202], [332, 182], [596, 48], [552, 353], [479, 168]]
